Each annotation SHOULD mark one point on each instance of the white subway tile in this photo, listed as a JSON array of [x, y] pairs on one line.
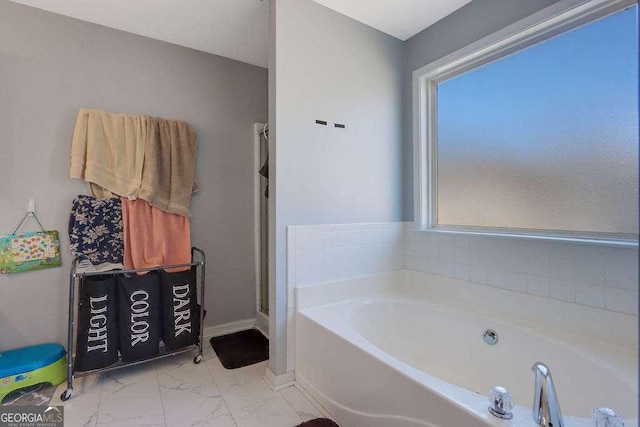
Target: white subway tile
[[461, 271], [477, 274], [369, 237], [538, 286], [461, 255], [496, 278], [538, 258], [433, 266], [392, 235], [442, 239], [562, 290], [617, 257], [355, 238], [343, 239], [330, 239], [302, 269], [562, 262], [621, 300], [461, 241], [447, 268], [590, 295], [317, 240], [291, 270], [623, 277], [431, 250], [515, 281], [291, 241], [344, 255], [422, 237], [445, 253], [315, 273], [345, 271], [412, 249], [591, 272], [357, 254], [316, 257], [303, 242], [413, 263], [330, 256], [330, 272]]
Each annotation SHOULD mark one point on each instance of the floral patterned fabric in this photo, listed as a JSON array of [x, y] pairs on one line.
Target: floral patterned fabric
[[95, 229]]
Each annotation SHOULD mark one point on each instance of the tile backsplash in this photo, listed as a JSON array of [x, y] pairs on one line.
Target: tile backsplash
[[325, 253], [596, 276]]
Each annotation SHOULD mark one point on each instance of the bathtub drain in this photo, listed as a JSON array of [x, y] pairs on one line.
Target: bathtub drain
[[490, 336]]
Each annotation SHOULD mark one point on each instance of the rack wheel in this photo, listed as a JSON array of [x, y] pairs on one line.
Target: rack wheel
[[66, 395], [197, 359]]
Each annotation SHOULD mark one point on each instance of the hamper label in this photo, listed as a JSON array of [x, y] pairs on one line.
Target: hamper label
[[181, 309], [139, 317], [97, 337]]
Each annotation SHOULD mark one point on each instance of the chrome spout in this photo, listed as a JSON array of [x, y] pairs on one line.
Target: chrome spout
[[546, 409]]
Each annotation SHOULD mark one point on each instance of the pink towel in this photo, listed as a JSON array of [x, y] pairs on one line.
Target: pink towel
[[153, 237]]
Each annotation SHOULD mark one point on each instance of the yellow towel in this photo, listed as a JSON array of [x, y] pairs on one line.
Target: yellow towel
[[135, 156], [153, 237]]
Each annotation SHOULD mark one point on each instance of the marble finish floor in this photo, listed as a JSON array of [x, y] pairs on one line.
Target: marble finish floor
[[177, 392]]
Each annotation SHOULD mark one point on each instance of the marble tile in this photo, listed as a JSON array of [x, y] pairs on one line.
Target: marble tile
[[131, 382], [176, 392], [82, 408], [273, 412], [303, 407], [241, 387], [131, 411], [196, 406]]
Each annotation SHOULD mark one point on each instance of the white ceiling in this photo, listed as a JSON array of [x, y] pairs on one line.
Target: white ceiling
[[401, 19], [239, 29]]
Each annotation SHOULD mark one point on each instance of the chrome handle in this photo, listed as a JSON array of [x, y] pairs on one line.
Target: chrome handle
[[501, 403], [605, 417]]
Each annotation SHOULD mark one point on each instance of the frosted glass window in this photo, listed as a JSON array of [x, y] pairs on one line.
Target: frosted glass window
[[546, 138]]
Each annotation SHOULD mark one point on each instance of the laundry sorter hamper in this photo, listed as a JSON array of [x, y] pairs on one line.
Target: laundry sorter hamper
[[107, 290]]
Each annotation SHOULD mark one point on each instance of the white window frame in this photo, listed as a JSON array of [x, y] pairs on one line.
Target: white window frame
[[553, 20]]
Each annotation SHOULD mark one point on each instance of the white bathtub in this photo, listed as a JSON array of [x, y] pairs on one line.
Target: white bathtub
[[406, 349]]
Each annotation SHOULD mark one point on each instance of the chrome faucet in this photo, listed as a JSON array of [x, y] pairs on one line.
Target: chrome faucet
[[546, 409]]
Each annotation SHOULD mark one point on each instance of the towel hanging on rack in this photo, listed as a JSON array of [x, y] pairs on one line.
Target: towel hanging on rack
[[153, 237], [135, 157]]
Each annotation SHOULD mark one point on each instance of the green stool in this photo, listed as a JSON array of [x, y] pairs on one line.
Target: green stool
[[28, 366]]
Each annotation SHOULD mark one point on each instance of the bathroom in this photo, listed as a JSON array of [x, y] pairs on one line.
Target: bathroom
[[343, 200]]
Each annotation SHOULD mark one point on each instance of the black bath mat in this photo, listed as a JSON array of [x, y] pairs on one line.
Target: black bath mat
[[319, 422], [241, 349]]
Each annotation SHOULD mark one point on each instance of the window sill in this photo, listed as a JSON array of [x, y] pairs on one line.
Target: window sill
[[613, 243]]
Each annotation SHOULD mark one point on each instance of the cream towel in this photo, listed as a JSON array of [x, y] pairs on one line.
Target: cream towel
[[135, 156]]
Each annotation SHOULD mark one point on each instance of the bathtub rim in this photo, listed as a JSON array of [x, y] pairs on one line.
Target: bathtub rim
[[559, 317]]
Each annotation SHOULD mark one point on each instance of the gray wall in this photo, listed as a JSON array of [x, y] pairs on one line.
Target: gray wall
[[50, 66], [330, 67], [468, 24]]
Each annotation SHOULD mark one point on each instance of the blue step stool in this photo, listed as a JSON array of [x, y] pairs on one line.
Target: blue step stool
[[28, 366]]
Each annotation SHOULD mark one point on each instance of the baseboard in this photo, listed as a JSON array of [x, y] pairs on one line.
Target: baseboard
[[228, 328], [262, 324], [278, 382], [312, 399]]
